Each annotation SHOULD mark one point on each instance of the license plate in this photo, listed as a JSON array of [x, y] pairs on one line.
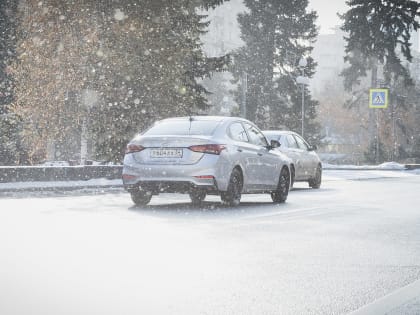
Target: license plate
[[166, 153]]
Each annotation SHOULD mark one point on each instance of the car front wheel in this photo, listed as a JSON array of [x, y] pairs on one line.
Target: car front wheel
[[315, 182], [280, 195], [292, 176]]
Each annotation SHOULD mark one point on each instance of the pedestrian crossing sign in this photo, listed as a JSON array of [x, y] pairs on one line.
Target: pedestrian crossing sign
[[378, 98]]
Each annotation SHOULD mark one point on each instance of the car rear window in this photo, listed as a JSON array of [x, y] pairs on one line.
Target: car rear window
[[183, 128]]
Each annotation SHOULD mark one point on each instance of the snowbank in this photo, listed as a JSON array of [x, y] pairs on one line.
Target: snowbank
[[384, 166], [62, 185]]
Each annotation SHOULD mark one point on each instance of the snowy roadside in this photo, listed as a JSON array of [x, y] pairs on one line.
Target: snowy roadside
[[364, 172], [388, 166], [36, 186]]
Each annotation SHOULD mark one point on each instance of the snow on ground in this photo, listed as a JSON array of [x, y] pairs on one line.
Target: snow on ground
[[92, 183], [383, 166], [363, 172]]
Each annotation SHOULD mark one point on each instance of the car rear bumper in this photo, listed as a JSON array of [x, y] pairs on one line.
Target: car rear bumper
[[156, 187], [168, 180], [211, 173]]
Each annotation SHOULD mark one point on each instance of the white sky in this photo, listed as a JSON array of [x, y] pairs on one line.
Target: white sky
[[327, 13]]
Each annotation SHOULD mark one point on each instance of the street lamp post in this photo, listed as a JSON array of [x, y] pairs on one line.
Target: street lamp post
[[302, 80], [244, 86], [303, 109]]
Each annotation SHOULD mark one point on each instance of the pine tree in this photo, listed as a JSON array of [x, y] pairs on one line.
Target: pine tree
[[116, 66], [376, 30], [376, 153], [276, 35], [378, 41], [158, 74]]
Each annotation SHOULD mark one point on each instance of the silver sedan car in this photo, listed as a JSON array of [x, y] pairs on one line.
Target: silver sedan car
[[202, 155], [306, 164]]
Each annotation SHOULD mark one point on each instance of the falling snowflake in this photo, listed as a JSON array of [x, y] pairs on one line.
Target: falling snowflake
[[182, 90], [37, 41], [119, 15]]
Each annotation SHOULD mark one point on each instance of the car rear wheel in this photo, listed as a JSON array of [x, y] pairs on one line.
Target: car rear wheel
[[197, 196], [315, 182], [280, 195], [232, 197], [141, 197]]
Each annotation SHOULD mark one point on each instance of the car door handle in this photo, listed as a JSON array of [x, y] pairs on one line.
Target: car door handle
[[260, 154], [239, 150]]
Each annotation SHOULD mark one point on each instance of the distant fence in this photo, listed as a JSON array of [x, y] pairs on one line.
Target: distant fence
[[58, 173]]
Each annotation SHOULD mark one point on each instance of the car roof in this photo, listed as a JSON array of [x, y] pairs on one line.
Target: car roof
[[279, 132], [206, 118]]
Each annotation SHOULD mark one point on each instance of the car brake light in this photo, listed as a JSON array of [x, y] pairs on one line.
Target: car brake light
[[204, 177], [128, 177], [131, 148], [208, 148]]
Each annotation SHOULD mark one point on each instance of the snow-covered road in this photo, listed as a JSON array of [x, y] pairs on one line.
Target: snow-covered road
[[326, 251]]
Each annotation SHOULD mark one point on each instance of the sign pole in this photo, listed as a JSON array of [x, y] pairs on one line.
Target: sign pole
[[377, 138], [303, 109], [378, 98]]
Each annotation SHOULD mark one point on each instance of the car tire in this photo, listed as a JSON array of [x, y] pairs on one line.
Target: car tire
[[292, 176], [315, 182], [232, 197], [197, 196], [141, 197], [283, 186]]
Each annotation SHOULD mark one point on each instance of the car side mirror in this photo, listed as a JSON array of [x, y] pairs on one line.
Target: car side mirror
[[274, 144], [313, 148]]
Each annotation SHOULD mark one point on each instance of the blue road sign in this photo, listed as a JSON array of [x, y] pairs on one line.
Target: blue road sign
[[378, 98]]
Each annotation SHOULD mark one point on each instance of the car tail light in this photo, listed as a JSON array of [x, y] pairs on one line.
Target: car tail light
[[208, 148], [204, 177], [128, 177], [131, 148]]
